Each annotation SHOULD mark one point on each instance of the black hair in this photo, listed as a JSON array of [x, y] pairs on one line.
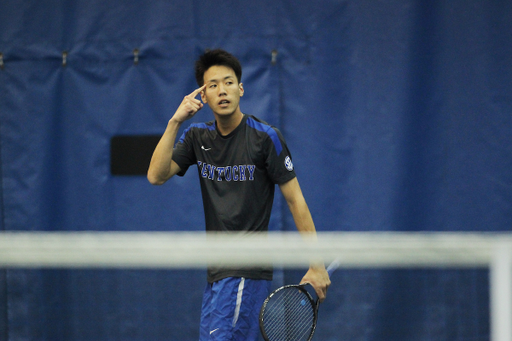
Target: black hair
[[216, 57]]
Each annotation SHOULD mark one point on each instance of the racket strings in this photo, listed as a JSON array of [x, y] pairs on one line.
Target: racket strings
[[289, 316]]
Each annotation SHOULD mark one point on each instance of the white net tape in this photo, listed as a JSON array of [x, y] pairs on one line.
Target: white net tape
[[196, 249]]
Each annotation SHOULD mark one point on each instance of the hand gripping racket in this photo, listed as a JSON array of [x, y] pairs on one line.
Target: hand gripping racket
[[290, 313]]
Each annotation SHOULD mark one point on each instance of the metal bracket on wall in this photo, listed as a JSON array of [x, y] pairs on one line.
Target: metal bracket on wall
[[136, 56], [274, 57], [64, 58]]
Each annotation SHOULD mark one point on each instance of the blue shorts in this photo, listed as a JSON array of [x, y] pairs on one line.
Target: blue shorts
[[231, 308]]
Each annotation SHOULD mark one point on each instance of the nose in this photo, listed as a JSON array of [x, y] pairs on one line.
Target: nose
[[221, 90]]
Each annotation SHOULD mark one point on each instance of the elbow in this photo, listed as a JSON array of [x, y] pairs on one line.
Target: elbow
[[160, 176], [154, 180]]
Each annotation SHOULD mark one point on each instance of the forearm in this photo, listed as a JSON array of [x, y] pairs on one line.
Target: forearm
[[160, 168], [300, 212], [317, 276], [305, 225]]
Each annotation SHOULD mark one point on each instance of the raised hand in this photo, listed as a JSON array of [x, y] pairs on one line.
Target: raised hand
[[189, 106]]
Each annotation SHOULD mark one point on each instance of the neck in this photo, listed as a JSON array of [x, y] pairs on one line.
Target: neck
[[226, 124]]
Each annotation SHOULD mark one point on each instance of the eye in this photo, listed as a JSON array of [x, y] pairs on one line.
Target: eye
[[212, 86]]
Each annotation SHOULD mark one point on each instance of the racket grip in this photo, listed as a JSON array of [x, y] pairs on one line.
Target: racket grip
[[333, 266]]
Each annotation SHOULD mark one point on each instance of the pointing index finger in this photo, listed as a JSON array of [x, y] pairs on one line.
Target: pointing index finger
[[197, 91]]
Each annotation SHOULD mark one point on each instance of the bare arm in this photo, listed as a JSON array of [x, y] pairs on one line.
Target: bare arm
[[317, 275], [162, 167]]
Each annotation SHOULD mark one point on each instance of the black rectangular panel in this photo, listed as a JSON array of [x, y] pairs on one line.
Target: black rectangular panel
[[131, 154]]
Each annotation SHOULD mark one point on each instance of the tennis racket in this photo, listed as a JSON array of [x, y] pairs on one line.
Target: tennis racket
[[290, 313]]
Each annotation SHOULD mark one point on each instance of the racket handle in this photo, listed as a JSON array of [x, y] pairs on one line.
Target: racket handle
[[333, 266]]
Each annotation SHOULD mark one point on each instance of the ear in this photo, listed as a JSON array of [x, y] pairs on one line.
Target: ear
[[241, 87], [203, 96]]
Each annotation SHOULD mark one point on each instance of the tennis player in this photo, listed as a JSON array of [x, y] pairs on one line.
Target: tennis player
[[239, 159]]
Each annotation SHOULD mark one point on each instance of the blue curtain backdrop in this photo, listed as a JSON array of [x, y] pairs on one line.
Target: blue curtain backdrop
[[398, 115]]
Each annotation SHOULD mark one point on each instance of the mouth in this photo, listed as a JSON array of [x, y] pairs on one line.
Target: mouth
[[224, 103]]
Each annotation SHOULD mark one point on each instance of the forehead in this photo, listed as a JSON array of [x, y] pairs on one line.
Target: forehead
[[217, 73]]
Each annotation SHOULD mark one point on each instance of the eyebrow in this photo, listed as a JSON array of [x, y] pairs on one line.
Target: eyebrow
[[216, 80]]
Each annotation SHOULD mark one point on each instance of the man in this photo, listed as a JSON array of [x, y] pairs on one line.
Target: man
[[240, 159]]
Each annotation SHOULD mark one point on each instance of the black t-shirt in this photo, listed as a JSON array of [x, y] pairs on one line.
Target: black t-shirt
[[238, 173]]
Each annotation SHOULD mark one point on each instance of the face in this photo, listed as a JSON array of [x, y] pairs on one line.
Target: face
[[222, 92]]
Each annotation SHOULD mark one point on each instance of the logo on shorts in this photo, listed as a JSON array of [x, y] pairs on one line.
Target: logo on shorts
[[288, 163]]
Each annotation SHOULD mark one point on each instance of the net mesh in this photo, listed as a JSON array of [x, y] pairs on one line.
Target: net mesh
[[352, 249]]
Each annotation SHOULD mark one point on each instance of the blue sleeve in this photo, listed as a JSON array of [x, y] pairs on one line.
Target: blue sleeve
[[279, 160], [183, 153]]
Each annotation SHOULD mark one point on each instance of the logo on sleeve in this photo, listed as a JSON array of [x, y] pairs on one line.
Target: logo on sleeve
[[288, 163]]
